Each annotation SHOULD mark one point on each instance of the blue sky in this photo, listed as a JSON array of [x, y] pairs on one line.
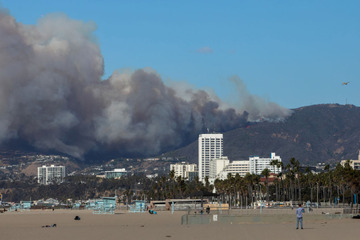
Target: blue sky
[[295, 53]]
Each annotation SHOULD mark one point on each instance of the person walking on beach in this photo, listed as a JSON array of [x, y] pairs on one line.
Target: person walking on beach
[[299, 214]]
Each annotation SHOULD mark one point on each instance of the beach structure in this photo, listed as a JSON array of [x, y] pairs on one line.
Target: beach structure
[[178, 204], [76, 205], [14, 207], [137, 206], [91, 203], [185, 204], [183, 169], [22, 206], [106, 205], [210, 147], [25, 205], [51, 174], [50, 202]]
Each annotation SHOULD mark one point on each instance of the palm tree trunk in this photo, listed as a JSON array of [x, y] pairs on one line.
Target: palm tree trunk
[[299, 189], [317, 194], [343, 196]]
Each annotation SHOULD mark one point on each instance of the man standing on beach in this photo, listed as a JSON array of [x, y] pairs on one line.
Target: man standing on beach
[[299, 215]]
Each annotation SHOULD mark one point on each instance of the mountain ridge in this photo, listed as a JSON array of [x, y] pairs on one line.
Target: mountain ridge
[[312, 134]]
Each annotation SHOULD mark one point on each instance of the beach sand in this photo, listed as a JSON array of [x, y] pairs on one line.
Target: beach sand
[[123, 225]]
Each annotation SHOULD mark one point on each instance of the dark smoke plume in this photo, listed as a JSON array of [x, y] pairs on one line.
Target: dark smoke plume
[[52, 96]]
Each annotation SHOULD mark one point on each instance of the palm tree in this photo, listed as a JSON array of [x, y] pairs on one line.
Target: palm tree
[[280, 166], [274, 163], [329, 182], [266, 174], [290, 177], [172, 175], [311, 181], [219, 186], [207, 184], [230, 186], [249, 182], [237, 184]]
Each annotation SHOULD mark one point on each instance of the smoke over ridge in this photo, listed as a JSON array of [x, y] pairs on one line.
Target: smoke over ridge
[[52, 96]]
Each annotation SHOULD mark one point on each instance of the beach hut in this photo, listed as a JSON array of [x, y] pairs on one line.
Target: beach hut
[[106, 205], [137, 206], [25, 205]]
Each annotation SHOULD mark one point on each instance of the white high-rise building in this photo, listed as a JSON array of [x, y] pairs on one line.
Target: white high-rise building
[[210, 147], [217, 165], [182, 169], [257, 164], [51, 174]]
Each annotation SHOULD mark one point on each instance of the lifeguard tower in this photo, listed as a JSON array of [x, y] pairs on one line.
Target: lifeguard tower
[[106, 205], [25, 205], [91, 204], [137, 206], [76, 206], [15, 207]]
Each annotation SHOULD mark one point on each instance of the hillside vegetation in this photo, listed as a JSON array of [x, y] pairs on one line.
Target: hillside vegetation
[[312, 134]]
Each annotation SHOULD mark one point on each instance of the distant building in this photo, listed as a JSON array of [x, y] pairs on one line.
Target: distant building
[[51, 174], [257, 164], [217, 165], [192, 175], [151, 176], [182, 169], [116, 173], [210, 147], [221, 167], [240, 167], [355, 164]]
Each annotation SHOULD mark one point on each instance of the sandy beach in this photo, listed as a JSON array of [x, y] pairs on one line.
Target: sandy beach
[[124, 225]]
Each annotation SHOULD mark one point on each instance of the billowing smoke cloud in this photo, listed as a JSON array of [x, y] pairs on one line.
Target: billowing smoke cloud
[[257, 107], [52, 96]]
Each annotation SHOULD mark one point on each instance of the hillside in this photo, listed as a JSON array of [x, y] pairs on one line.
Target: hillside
[[312, 134]]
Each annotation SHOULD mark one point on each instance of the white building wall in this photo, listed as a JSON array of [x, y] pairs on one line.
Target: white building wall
[[238, 167], [355, 164], [217, 165], [221, 167], [257, 164], [210, 147], [182, 169], [49, 174]]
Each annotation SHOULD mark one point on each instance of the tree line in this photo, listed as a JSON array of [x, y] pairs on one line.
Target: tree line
[[340, 184]]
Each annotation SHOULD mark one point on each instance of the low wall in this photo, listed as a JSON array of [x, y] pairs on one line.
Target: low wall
[[264, 217]]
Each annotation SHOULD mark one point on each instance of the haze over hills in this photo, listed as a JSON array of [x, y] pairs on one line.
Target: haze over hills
[[312, 134]]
